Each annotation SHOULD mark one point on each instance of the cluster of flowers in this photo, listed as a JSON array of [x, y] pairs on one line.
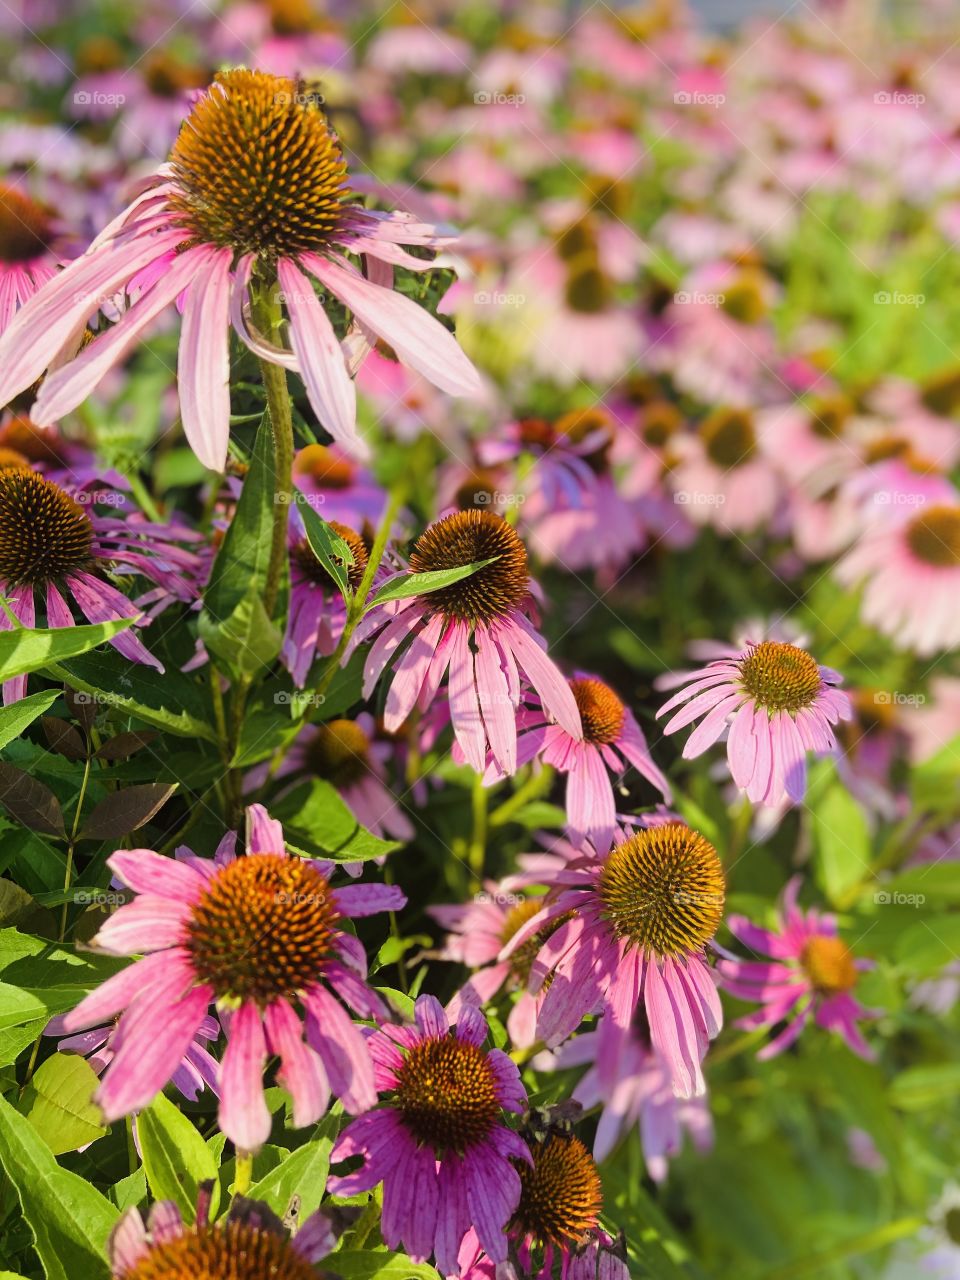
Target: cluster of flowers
[[684, 417]]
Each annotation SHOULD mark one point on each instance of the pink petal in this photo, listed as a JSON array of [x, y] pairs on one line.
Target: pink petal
[[203, 366], [244, 1116]]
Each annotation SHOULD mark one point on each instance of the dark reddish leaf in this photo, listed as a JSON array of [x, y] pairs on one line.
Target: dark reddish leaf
[[82, 706], [63, 738], [124, 745], [123, 811], [30, 802]]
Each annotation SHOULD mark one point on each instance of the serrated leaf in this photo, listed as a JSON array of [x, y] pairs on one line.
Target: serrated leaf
[[175, 1156], [302, 1173], [123, 745], [58, 1103], [30, 802], [124, 811], [168, 700], [316, 821], [327, 545], [69, 1219], [418, 584], [31, 649], [16, 718]]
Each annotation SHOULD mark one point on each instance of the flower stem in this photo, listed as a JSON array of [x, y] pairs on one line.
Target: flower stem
[[267, 315], [244, 1174], [478, 839], [68, 873]]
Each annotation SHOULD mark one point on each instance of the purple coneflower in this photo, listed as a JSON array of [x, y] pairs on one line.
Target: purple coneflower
[[255, 192], [249, 1243], [555, 1229], [59, 547], [611, 741], [477, 629], [28, 253], [778, 702], [638, 923], [439, 1144], [260, 935], [810, 973], [911, 571]]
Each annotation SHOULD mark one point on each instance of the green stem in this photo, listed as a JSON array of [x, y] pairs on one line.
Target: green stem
[[143, 496], [267, 315], [244, 1174], [478, 840], [68, 873], [538, 784]]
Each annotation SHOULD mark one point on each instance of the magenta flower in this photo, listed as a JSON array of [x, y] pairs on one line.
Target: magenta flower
[[641, 1097], [810, 973], [260, 935], [28, 256], [555, 1229], [778, 703], [910, 569], [631, 943], [249, 1241], [255, 192], [479, 930], [476, 628], [439, 1144], [197, 1071], [612, 740], [59, 547]]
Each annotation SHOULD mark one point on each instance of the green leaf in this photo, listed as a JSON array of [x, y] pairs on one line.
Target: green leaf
[[842, 841], [926, 1086], [233, 622], [327, 545], [246, 640], [167, 700], [418, 584], [25, 649], [314, 817], [13, 720], [69, 1219], [58, 1103], [377, 1264], [175, 1156], [302, 1173]]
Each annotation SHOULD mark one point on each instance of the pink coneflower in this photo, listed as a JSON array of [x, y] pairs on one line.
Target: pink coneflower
[[910, 569], [477, 629], [642, 1096], [810, 973], [29, 256], [478, 932], [778, 703], [555, 1229], [634, 942], [439, 1144], [255, 192], [720, 478], [612, 740], [249, 1243], [349, 755], [197, 1071], [59, 547], [258, 934]]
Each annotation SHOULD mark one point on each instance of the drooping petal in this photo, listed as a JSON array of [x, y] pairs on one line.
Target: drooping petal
[[203, 363]]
